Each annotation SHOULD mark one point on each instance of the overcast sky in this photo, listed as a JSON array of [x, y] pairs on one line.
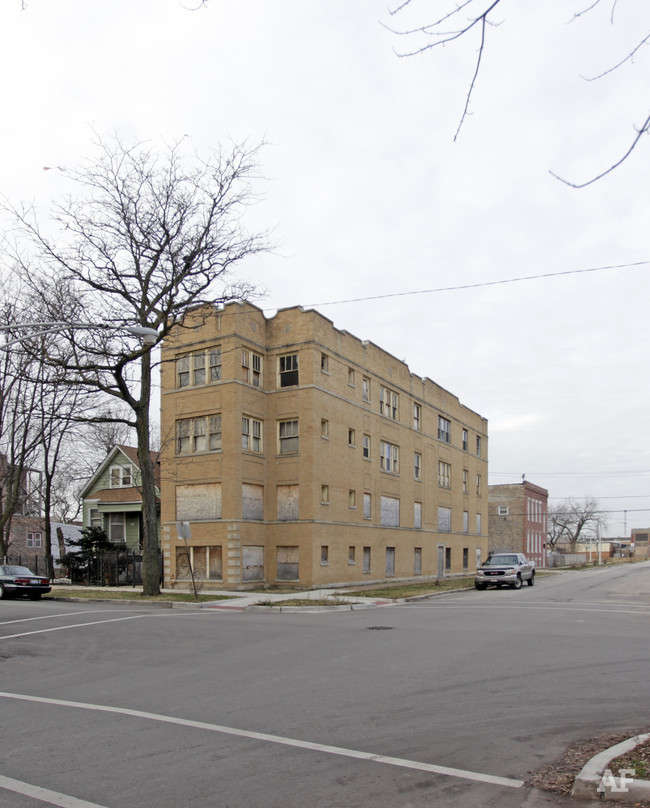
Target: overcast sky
[[368, 194]]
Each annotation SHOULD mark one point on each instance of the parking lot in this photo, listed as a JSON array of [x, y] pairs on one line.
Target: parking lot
[[450, 701]]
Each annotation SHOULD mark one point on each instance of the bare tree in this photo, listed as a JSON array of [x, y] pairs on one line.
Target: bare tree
[[573, 520], [148, 234], [454, 20]]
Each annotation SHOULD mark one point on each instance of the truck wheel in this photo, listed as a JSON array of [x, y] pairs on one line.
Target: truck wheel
[[480, 587], [517, 583], [531, 580]]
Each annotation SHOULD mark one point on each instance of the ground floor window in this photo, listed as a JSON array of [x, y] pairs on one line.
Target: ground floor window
[[417, 561], [287, 564], [206, 562], [366, 559], [447, 558], [465, 558], [116, 531]]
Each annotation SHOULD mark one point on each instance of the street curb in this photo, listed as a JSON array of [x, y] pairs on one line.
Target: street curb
[[589, 779], [164, 604]]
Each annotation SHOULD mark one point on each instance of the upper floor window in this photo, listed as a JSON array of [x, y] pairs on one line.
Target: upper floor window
[[479, 485], [388, 403], [478, 445], [121, 477], [324, 363], [417, 417], [502, 510], [351, 377], [417, 466], [465, 440], [444, 429], [198, 434], [388, 457], [197, 368], [444, 474], [251, 364], [365, 388], [251, 434], [366, 447], [288, 367], [465, 481], [288, 437], [35, 540]]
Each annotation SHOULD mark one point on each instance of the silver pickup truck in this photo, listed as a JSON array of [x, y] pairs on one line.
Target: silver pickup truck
[[505, 569]]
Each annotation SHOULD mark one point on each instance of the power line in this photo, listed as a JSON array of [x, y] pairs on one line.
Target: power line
[[477, 285]]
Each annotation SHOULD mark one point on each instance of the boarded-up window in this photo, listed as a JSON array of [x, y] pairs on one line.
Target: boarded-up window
[[206, 562], [287, 503], [287, 563], [252, 504], [389, 516], [417, 561], [253, 560], [417, 515], [198, 502], [444, 519]]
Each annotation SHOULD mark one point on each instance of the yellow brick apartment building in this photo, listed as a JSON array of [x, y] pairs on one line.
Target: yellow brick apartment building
[[302, 456]]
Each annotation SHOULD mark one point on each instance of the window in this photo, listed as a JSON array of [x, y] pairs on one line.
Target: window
[[465, 558], [287, 568], [388, 403], [366, 559], [478, 445], [444, 519], [465, 440], [417, 515], [35, 540], [389, 511], [365, 388], [444, 474], [479, 486], [465, 521], [251, 364], [351, 377], [191, 368], [288, 366], [417, 561], [478, 524], [288, 501], [447, 558], [324, 363], [444, 429], [94, 517], [366, 447], [198, 434], [324, 555], [116, 531], [367, 506], [288, 435], [417, 417], [206, 562], [417, 466], [352, 555], [502, 510], [121, 476], [352, 498], [388, 457], [324, 428], [465, 481], [325, 494], [251, 434], [351, 437]]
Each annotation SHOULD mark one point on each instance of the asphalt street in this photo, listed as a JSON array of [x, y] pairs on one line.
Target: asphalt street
[[451, 701]]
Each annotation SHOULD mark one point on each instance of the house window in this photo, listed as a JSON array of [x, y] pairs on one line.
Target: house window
[[288, 365], [447, 558], [365, 388], [94, 517], [116, 531], [325, 494], [351, 377], [465, 481], [352, 498], [251, 434], [35, 540], [251, 367], [502, 510], [288, 436], [444, 429], [287, 568], [206, 562], [417, 466], [191, 368], [351, 437], [366, 447], [121, 477], [352, 555], [198, 434], [388, 403], [366, 559], [444, 474], [478, 445], [324, 363], [417, 561], [367, 506], [214, 362], [324, 428], [324, 555], [444, 519], [479, 486], [417, 515], [417, 417], [388, 457], [465, 440], [465, 521]]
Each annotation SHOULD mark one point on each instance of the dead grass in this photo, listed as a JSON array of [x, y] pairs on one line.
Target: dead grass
[[129, 594]]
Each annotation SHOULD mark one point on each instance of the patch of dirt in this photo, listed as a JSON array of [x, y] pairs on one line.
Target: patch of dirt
[[638, 759], [558, 777]]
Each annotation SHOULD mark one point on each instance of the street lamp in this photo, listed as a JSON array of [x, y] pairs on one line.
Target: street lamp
[[146, 335]]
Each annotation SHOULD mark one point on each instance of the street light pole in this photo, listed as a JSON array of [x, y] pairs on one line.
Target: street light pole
[[146, 335]]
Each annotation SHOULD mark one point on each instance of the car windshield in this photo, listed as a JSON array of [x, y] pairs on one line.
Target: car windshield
[[10, 570], [500, 560]]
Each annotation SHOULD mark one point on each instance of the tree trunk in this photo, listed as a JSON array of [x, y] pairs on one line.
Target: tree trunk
[[150, 544]]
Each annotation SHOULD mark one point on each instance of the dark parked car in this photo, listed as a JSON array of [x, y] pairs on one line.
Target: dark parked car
[[17, 581]]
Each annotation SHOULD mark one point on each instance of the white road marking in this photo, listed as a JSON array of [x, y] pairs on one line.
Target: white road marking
[[44, 794], [278, 739], [51, 616], [75, 625]]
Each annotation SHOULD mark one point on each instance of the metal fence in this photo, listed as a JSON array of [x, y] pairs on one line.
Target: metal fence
[[109, 568]]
